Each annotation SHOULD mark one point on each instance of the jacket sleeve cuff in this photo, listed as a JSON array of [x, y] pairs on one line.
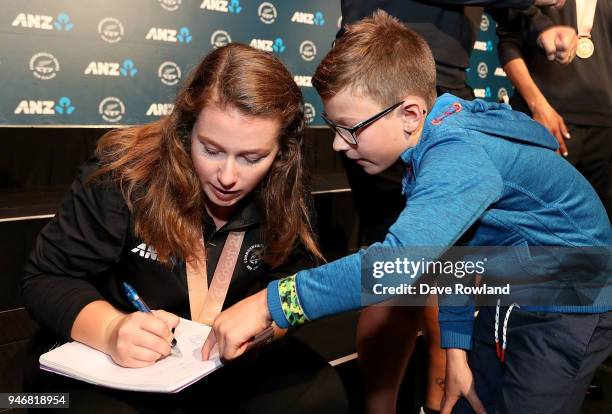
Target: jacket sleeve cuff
[[456, 334], [507, 52], [539, 23], [275, 307]]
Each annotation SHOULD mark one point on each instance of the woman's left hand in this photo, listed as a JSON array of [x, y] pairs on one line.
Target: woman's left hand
[[234, 328]]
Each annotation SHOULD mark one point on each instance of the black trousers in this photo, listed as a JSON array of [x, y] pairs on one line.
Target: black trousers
[[550, 361], [286, 377], [590, 151]]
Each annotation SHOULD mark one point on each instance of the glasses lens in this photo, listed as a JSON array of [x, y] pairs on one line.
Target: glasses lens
[[346, 135]]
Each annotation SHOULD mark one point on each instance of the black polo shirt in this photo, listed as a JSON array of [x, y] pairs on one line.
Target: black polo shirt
[[89, 248]]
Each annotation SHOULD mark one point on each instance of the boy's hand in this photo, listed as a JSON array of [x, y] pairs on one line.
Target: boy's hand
[[235, 327], [140, 339], [459, 383]]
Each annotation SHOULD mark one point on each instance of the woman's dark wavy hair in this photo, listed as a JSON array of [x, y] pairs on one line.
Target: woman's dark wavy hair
[[152, 163]]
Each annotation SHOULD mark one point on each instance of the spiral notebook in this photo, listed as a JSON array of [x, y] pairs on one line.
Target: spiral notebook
[[169, 375]]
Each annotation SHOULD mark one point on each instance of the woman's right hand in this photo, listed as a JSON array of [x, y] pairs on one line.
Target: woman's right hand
[[547, 116], [139, 339]]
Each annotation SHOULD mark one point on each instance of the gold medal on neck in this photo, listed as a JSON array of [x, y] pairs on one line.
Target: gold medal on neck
[[585, 48]]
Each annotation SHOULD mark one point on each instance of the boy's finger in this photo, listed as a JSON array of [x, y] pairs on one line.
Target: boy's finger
[[475, 402], [207, 348]]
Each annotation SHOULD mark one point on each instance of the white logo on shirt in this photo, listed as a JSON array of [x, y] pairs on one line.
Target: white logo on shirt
[[147, 252], [253, 256]]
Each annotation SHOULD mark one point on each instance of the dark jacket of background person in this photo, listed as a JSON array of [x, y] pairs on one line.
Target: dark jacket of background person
[[580, 92], [448, 27]]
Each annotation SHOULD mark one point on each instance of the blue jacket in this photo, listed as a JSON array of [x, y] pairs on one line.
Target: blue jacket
[[481, 166]]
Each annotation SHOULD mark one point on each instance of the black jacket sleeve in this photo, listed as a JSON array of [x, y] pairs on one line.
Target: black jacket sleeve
[[298, 260], [518, 29], [85, 237]]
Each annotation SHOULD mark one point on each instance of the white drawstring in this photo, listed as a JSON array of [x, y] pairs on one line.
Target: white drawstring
[[497, 350], [501, 353]]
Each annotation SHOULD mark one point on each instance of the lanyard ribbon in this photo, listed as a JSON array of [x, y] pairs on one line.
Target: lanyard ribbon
[[206, 302], [585, 14]]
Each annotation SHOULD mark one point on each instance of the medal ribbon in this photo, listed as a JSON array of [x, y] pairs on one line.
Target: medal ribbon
[[585, 14], [206, 302]]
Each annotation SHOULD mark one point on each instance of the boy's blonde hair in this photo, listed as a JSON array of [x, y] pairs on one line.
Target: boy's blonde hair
[[379, 58]]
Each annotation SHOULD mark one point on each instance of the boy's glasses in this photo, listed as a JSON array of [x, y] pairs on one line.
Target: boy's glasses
[[350, 134]]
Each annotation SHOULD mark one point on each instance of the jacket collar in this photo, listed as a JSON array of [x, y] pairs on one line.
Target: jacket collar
[[246, 214]]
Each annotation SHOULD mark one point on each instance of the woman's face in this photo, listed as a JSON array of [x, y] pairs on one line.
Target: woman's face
[[232, 152]]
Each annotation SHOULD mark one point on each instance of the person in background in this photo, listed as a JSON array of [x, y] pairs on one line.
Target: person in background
[[574, 102]]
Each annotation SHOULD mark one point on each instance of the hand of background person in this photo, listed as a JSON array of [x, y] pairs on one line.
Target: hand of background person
[[547, 116], [555, 4], [559, 43], [139, 339], [235, 327], [459, 383]]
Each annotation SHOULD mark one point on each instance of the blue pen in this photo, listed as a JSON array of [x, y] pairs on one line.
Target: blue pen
[[142, 307]]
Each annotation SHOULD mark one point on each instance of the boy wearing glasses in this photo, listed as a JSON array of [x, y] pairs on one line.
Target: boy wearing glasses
[[473, 177]]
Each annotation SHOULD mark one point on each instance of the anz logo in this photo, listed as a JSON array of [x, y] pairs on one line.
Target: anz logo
[[39, 21], [127, 68], [277, 45], [302, 80], [483, 46], [499, 72], [482, 93], [223, 6], [160, 109], [181, 35], [316, 19], [36, 107]]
